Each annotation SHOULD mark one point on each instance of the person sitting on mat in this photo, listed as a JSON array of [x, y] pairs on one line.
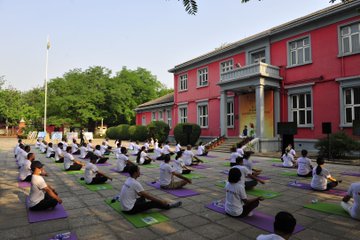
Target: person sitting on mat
[[167, 174], [97, 153], [133, 198], [201, 151], [291, 150], [233, 156], [239, 150], [25, 170], [156, 144], [59, 156], [42, 196], [178, 148], [104, 149], [284, 226], [83, 151], [123, 163], [304, 165], [92, 173], [117, 150], [17, 146], [245, 174], [75, 148], [189, 157], [142, 158], [159, 155], [136, 147], [352, 209], [236, 202], [321, 176], [64, 142], [179, 165], [249, 164], [43, 147], [108, 147], [89, 146], [37, 144], [166, 149], [147, 146], [288, 160], [70, 164], [50, 152], [22, 154]]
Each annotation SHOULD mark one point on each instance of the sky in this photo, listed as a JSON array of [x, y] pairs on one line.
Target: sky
[[152, 34]]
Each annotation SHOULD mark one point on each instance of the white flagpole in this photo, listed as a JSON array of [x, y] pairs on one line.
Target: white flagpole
[[46, 79]]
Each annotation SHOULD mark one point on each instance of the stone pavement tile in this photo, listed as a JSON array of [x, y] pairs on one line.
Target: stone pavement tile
[[138, 234], [105, 215], [185, 235], [108, 193], [344, 221], [88, 220], [252, 232], [49, 226], [91, 231], [329, 228], [195, 207], [78, 212], [95, 202], [176, 213], [235, 236], [193, 221], [312, 214], [310, 234], [233, 224], [212, 231], [16, 221], [15, 233], [212, 215], [166, 228], [119, 225]]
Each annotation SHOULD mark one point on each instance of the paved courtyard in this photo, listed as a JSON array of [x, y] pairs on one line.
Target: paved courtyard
[[90, 218]]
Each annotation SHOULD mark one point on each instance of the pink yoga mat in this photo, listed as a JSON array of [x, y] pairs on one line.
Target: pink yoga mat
[[24, 184], [259, 220], [72, 236], [354, 174], [337, 192], [182, 192], [50, 214]]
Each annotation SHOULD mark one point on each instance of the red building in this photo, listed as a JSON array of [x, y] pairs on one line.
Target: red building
[[306, 70]]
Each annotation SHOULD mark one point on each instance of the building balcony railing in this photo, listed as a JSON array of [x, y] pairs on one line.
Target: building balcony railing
[[256, 69]]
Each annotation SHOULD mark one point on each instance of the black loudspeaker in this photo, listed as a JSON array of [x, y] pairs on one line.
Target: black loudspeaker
[[287, 128], [356, 127], [326, 127]]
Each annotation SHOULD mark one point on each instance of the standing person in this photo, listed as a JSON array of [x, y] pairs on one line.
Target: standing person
[[142, 157], [92, 173], [167, 174], [25, 173], [123, 163], [288, 159], [82, 137], [201, 151], [75, 148], [70, 164], [304, 165], [179, 165], [321, 176], [98, 154], [134, 199], [284, 226], [244, 133], [50, 152], [42, 196], [233, 156], [189, 157], [352, 209], [59, 156], [236, 202]]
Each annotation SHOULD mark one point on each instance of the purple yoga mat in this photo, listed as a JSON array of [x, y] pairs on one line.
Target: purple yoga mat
[[259, 220], [354, 174], [306, 186], [254, 161], [176, 192], [277, 165], [103, 164], [24, 184], [71, 237], [122, 173], [50, 214], [202, 166]]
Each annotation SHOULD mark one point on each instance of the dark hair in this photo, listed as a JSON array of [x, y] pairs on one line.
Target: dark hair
[[178, 155], [97, 147], [233, 149], [139, 154], [234, 175], [304, 152], [60, 144], [68, 148], [123, 150], [27, 148], [29, 155], [133, 169], [284, 223], [93, 157], [319, 161], [50, 144], [239, 160], [167, 158], [238, 145], [118, 144], [74, 140], [247, 155]]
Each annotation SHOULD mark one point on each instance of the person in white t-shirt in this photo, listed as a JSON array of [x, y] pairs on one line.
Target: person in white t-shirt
[[25, 172], [107, 145], [92, 173], [352, 209], [104, 149], [304, 165], [250, 165], [123, 163], [43, 147], [166, 149], [117, 150], [167, 174], [178, 148], [16, 148], [42, 196], [239, 150], [233, 156], [189, 157], [50, 152], [179, 164], [37, 144], [83, 151], [291, 150], [64, 142], [236, 202], [288, 160], [99, 155], [148, 148], [158, 152], [75, 148], [136, 148], [284, 226], [134, 199], [70, 164], [59, 156], [89, 146], [22, 154], [142, 157], [248, 180], [321, 176], [201, 151], [156, 144]]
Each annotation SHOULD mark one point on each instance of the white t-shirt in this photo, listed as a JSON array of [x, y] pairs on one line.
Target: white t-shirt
[[121, 162], [103, 149], [129, 193], [240, 151], [65, 145], [25, 170], [271, 236], [83, 151], [319, 182], [233, 203], [166, 149], [68, 160], [178, 165], [156, 145], [158, 152], [233, 157], [89, 147], [244, 172], [303, 165], [22, 156], [58, 154], [49, 151], [248, 164], [36, 191], [42, 147], [131, 146], [200, 150], [354, 191], [178, 148], [292, 152], [74, 147], [37, 144], [90, 172], [165, 174], [98, 153], [146, 145], [187, 156], [143, 154], [136, 148], [117, 152], [287, 160]]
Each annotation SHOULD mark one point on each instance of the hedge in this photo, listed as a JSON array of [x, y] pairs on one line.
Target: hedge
[[120, 132], [138, 133], [181, 137], [158, 130]]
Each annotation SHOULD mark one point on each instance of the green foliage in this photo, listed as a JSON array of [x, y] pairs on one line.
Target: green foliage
[[111, 132], [158, 130], [190, 6], [181, 137], [138, 132], [341, 144], [122, 132]]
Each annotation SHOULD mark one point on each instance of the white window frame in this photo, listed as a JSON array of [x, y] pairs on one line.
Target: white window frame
[[346, 83], [143, 120], [257, 60], [302, 48], [161, 115], [230, 114], [183, 82], [153, 116], [169, 117], [203, 77], [182, 117], [349, 36], [301, 90], [203, 116], [226, 66]]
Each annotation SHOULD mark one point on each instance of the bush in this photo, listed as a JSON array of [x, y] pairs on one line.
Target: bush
[[181, 137], [341, 145], [110, 132], [120, 132], [158, 130], [138, 132]]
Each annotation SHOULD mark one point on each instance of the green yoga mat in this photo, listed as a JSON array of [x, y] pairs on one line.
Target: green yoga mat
[[226, 164], [95, 187], [141, 219], [150, 166], [289, 174], [193, 175], [220, 184], [328, 208], [255, 192], [75, 172], [275, 160]]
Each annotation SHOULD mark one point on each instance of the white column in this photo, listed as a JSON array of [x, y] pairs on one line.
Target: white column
[[276, 108], [260, 110], [223, 101]]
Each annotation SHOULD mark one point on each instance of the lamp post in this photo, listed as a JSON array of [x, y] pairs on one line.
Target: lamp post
[[46, 78]]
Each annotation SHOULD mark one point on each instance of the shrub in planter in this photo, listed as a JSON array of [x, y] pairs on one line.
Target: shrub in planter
[[181, 136], [122, 132], [138, 132], [158, 130]]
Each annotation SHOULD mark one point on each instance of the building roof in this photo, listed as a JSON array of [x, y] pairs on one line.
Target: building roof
[[272, 31], [167, 99]]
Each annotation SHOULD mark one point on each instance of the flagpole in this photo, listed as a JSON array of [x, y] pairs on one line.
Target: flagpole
[[46, 79]]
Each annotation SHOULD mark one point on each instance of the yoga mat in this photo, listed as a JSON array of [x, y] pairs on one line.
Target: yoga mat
[[220, 184], [263, 193], [182, 192], [337, 192], [264, 178], [354, 174], [258, 219], [103, 164], [199, 166], [49, 214], [24, 184], [289, 174], [275, 160], [149, 166], [122, 173], [328, 208], [75, 172], [65, 236], [95, 187], [210, 156], [139, 220], [277, 165], [193, 176]]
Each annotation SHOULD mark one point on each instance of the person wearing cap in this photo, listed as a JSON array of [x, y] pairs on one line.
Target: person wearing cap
[[42, 196]]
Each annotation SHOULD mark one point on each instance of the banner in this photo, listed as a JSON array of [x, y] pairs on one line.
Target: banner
[[88, 135], [56, 136], [71, 135]]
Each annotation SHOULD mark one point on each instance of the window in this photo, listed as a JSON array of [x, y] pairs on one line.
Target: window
[[257, 57], [350, 39], [183, 82], [230, 114], [203, 115], [299, 52], [301, 109], [168, 114], [183, 114], [203, 77], [226, 66], [153, 116], [143, 121], [161, 115], [352, 104]]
